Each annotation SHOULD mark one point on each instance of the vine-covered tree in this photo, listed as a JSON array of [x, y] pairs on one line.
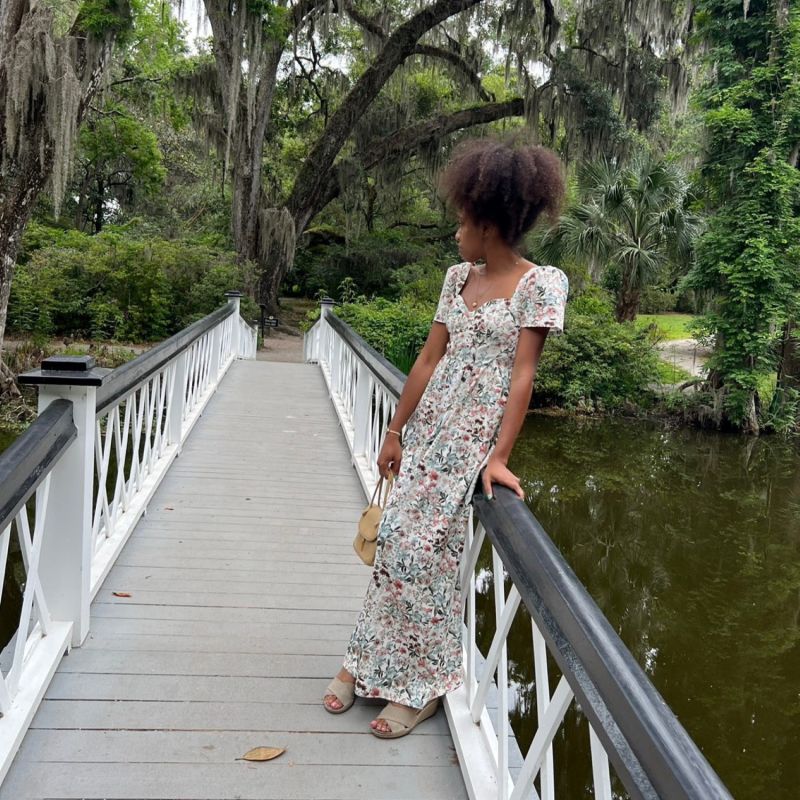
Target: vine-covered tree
[[52, 60], [749, 256]]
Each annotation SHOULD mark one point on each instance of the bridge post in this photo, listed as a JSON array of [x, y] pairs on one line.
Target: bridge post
[[361, 412], [214, 357], [235, 299], [65, 564], [177, 400], [324, 352]]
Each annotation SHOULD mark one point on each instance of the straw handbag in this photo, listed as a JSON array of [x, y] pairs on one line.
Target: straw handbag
[[365, 542]]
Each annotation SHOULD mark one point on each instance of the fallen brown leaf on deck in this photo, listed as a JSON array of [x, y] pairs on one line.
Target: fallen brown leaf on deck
[[262, 754]]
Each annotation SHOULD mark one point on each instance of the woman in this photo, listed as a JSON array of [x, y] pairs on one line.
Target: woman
[[463, 405]]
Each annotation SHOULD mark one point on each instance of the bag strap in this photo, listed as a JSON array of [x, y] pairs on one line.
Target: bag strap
[[376, 491], [382, 495], [389, 484]]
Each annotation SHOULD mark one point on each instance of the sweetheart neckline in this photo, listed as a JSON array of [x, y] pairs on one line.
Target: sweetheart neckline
[[492, 299]]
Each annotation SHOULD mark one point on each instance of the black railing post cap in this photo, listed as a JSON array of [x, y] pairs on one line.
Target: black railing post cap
[[66, 371], [234, 293], [68, 364]]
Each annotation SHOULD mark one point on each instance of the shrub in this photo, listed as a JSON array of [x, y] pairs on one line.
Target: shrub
[[597, 362], [118, 286], [397, 330], [657, 301]]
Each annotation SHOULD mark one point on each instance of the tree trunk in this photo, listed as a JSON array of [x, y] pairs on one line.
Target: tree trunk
[[308, 193], [248, 126], [99, 206], [627, 305], [789, 366]]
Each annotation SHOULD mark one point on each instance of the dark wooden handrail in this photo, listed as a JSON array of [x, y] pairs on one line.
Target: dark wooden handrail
[[26, 463]]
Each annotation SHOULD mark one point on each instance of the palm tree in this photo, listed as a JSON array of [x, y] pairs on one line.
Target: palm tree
[[629, 220]]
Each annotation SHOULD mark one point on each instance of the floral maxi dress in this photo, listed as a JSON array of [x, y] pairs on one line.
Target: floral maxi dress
[[407, 644]]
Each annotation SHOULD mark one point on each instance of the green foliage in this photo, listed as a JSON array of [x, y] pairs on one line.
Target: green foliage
[[668, 326], [397, 330], [103, 17], [671, 373], [118, 158], [656, 301], [628, 225], [597, 362], [748, 257], [117, 286], [381, 262]]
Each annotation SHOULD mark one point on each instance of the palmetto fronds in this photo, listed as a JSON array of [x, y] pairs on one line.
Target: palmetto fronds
[[632, 218]]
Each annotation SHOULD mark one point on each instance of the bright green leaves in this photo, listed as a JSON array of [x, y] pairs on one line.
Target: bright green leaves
[[104, 17], [748, 257]]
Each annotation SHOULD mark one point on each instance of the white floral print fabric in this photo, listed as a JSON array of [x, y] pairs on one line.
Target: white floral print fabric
[[406, 645]]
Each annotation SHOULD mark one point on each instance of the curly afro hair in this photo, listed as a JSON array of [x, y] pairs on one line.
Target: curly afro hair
[[504, 183]]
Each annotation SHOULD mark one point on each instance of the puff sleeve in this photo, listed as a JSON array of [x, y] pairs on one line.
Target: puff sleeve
[[543, 299], [446, 296]]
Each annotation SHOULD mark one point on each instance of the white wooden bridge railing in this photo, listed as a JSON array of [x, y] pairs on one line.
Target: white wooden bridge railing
[[73, 487], [628, 722]]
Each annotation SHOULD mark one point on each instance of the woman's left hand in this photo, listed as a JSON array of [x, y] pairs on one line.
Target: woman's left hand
[[496, 471]]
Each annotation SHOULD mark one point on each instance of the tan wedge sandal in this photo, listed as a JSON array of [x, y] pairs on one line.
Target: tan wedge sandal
[[403, 720], [345, 692]]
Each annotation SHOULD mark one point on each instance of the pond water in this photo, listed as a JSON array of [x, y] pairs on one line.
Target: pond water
[[689, 541], [6, 437]]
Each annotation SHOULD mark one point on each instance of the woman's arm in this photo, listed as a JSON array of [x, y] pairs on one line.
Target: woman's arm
[[417, 380], [430, 355], [529, 349]]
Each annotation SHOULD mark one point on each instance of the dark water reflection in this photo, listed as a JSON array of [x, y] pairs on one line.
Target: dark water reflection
[[6, 438], [14, 577], [690, 544]]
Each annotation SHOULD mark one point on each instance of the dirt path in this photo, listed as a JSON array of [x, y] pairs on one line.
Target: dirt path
[[280, 346], [685, 353]]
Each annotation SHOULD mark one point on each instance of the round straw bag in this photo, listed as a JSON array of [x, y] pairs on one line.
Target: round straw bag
[[365, 542]]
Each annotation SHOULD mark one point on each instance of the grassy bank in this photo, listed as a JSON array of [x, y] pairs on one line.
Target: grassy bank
[[670, 325]]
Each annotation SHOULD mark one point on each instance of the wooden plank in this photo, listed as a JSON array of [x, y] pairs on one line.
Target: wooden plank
[[226, 600], [246, 781], [268, 575], [221, 643], [214, 716], [167, 627], [124, 686], [225, 616], [302, 586], [263, 565], [224, 747], [236, 664], [249, 544]]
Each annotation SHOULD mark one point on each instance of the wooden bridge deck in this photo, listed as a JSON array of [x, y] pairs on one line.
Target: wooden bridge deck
[[243, 592]]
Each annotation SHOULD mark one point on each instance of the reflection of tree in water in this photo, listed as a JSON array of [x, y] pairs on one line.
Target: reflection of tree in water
[[690, 544]]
